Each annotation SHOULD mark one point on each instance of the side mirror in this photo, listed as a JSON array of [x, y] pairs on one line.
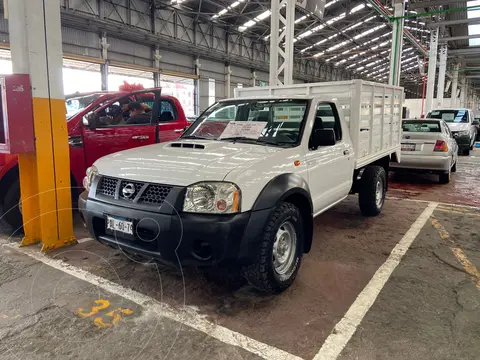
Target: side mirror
[[90, 120], [324, 137], [476, 122]]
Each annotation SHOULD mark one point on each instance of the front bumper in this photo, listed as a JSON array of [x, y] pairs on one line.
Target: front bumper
[[179, 238], [432, 163]]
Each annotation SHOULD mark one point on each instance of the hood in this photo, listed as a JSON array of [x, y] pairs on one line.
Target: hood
[[458, 126], [177, 163]]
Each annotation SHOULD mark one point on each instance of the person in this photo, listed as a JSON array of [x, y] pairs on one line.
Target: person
[[138, 114]]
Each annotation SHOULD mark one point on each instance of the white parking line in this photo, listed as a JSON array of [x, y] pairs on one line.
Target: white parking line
[[439, 203], [187, 315], [343, 331]]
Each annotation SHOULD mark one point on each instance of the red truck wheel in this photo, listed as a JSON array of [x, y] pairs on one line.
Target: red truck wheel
[[11, 214]]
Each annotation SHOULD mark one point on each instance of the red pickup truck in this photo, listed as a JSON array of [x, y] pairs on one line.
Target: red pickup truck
[[97, 126]]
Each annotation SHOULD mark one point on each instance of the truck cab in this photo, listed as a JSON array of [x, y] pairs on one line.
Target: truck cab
[[98, 125]]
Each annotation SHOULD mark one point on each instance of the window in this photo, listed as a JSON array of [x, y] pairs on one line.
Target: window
[[167, 111], [421, 126], [327, 118], [211, 91], [473, 29], [450, 116], [283, 120]]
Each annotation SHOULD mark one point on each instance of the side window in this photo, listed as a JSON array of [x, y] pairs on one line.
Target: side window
[[167, 111], [115, 114], [326, 117]]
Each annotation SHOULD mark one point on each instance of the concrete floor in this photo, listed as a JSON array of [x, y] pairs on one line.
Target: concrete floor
[[428, 309]]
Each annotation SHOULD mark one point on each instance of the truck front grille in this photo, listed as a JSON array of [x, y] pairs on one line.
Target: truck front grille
[[133, 191]]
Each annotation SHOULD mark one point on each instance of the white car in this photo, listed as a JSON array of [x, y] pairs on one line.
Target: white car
[[428, 146], [242, 185], [460, 121]]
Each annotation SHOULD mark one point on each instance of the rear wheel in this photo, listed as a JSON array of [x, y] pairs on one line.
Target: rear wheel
[[373, 188], [11, 211], [454, 167], [444, 178], [280, 253]]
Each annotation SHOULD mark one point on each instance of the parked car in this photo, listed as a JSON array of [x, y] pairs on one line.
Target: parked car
[[460, 122], [107, 133], [428, 146], [476, 122], [242, 185]]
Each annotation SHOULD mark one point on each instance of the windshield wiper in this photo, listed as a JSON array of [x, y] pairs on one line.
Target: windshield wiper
[[258, 141], [193, 137]]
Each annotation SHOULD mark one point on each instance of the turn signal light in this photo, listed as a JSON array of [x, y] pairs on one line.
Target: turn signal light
[[441, 146]]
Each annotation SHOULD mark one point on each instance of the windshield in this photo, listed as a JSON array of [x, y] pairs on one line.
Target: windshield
[[274, 122], [449, 116], [77, 104], [421, 126]]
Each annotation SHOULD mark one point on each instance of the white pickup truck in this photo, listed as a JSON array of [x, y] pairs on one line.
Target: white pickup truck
[[242, 185]]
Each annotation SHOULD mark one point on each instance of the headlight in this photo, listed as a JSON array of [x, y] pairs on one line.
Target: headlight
[[87, 180], [212, 197], [463, 133]]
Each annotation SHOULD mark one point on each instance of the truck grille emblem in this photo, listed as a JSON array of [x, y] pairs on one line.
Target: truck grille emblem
[[128, 190]]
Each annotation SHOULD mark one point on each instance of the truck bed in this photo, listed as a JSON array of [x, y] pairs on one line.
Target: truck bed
[[372, 111]]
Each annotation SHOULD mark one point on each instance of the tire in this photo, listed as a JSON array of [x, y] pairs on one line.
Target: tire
[[372, 190], [454, 167], [10, 212], [263, 274], [444, 178]]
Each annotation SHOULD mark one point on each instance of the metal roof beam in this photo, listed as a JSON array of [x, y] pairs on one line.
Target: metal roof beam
[[432, 25], [427, 4], [472, 50], [455, 38]]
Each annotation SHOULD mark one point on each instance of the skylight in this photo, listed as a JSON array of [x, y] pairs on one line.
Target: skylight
[[473, 29], [224, 11]]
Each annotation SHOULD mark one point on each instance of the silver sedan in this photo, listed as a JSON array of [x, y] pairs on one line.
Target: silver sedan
[[428, 146]]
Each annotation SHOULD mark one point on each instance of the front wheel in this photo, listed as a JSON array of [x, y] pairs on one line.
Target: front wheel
[[373, 188], [280, 253], [11, 211]]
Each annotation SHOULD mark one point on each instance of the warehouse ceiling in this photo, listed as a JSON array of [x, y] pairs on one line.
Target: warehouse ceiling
[[352, 35]]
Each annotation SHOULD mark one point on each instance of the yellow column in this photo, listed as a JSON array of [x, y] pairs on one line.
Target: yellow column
[[36, 45]]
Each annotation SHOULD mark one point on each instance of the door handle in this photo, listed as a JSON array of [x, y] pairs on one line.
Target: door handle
[[178, 130], [346, 152], [140, 137]]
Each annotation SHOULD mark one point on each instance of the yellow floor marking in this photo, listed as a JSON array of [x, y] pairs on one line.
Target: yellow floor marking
[[458, 253], [458, 211]]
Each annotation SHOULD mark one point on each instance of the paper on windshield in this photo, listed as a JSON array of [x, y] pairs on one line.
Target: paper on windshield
[[248, 129], [448, 116]]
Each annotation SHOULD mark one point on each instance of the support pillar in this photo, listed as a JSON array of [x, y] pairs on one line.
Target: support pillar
[[228, 81], [104, 67], [397, 42], [281, 42], [432, 67], [254, 78], [463, 96], [442, 67], [156, 60], [196, 88], [36, 48], [454, 91]]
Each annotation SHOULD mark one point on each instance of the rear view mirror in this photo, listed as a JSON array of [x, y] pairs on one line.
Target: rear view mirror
[[324, 137]]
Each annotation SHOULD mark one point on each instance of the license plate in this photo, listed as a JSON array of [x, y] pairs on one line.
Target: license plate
[[408, 147], [120, 224]]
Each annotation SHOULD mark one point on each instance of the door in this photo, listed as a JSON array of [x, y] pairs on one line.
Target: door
[[330, 168], [452, 143], [114, 133], [170, 124]]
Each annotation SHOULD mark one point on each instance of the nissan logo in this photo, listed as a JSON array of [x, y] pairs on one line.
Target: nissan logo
[[128, 190]]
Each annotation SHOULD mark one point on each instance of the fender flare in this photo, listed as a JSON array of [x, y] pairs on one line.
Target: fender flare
[[295, 189]]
